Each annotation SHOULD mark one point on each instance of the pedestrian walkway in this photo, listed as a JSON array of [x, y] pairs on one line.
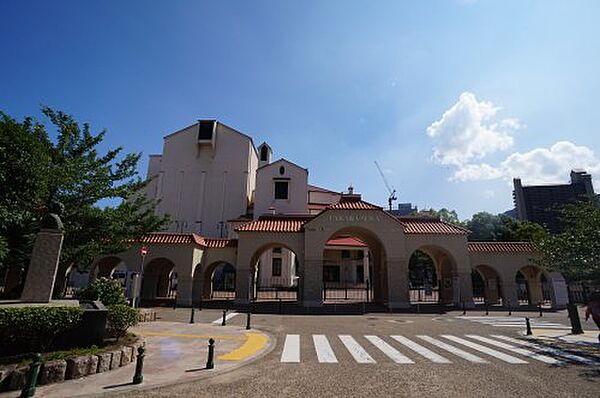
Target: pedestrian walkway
[[514, 322], [443, 349]]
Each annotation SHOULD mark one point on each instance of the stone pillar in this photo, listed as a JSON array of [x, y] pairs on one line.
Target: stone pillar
[[509, 294], [312, 282], [43, 266], [462, 289], [491, 290], [397, 276], [149, 286], [184, 290], [559, 293], [243, 282], [535, 291]]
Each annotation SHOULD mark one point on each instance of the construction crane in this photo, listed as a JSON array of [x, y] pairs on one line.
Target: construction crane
[[390, 189]]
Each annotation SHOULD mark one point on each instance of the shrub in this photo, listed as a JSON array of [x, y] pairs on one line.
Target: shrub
[[28, 329], [106, 290], [120, 318]]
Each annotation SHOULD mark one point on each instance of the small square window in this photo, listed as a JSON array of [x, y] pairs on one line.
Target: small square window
[[345, 253], [276, 267], [277, 250], [205, 131], [281, 189]]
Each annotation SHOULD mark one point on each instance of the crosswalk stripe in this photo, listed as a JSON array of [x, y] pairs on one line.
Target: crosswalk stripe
[[521, 351], [501, 356], [388, 350], [227, 317], [291, 348], [549, 350], [358, 353], [427, 353], [450, 348], [324, 352]]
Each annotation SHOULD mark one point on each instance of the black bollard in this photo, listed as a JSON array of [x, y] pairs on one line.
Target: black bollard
[[175, 304], [192, 315], [464, 308], [540, 308], [224, 320], [138, 377], [210, 364], [32, 376], [528, 326], [509, 310], [248, 320], [487, 308]]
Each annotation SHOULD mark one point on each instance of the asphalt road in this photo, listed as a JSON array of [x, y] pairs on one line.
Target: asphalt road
[[364, 366]]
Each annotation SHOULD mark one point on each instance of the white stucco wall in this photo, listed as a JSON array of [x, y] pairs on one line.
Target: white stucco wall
[[297, 177], [204, 185]]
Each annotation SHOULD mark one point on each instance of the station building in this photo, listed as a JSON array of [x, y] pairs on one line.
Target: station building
[[246, 228]]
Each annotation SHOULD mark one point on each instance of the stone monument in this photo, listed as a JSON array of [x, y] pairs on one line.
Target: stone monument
[[41, 275]]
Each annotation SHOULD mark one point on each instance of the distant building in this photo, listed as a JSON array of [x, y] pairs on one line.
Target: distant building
[[404, 209], [541, 203]]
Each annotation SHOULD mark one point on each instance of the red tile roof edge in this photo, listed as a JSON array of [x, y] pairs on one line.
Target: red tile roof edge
[[500, 247], [186, 238]]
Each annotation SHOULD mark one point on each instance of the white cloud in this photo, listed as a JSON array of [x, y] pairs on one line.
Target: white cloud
[[538, 166], [488, 193], [469, 131], [549, 165]]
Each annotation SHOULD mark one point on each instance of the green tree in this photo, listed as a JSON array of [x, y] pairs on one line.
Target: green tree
[[576, 251], [447, 215], [486, 227], [69, 170]]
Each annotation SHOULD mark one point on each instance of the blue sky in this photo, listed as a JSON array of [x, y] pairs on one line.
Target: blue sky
[[453, 98]]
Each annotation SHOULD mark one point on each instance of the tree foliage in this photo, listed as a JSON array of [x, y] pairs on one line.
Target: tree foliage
[[576, 251], [498, 227], [36, 171]]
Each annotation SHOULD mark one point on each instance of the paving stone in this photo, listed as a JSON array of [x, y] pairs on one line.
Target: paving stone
[[126, 356], [104, 361], [18, 377], [115, 361], [53, 372]]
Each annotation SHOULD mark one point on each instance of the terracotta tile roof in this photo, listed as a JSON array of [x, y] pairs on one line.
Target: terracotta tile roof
[[177, 238], [427, 225], [314, 188], [275, 224], [317, 206], [353, 202], [172, 238], [219, 243], [346, 241], [500, 247]]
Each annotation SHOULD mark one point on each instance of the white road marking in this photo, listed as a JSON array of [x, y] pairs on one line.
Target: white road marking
[[388, 350], [511, 321], [427, 353], [355, 349], [549, 350], [521, 351], [456, 351], [227, 317], [501, 356], [291, 348], [324, 352]]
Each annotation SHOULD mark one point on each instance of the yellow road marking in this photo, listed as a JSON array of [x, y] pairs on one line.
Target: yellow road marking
[[254, 343], [193, 336]]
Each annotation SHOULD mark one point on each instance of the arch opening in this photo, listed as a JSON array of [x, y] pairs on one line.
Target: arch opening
[[531, 284], [487, 287], [274, 273], [159, 280], [431, 273], [354, 267]]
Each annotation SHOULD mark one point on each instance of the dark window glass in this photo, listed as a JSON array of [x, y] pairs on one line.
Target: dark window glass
[[277, 250], [206, 131], [282, 170], [281, 190], [276, 267], [345, 253], [264, 153], [360, 274], [360, 255], [331, 273]]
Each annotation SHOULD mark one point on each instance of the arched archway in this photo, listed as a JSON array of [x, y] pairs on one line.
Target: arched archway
[[529, 285], [354, 267], [218, 281], [106, 265], [486, 285], [431, 275], [159, 279], [274, 273]]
